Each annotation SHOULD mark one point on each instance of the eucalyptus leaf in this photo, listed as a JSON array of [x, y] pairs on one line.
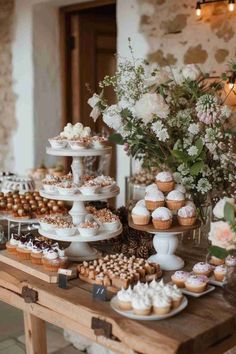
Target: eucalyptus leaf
[[180, 155], [199, 145], [116, 138], [196, 168]]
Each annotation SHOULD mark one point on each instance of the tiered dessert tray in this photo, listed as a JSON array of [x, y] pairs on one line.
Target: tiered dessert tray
[[32, 269], [79, 250], [165, 243]]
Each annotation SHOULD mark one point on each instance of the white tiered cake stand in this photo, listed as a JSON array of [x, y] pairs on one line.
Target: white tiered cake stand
[[165, 243], [79, 250]]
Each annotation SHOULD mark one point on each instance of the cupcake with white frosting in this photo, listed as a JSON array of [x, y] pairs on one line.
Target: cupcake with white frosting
[[180, 188], [179, 278], [165, 181], [140, 215], [161, 304], [187, 215], [196, 283], [162, 218], [151, 187], [141, 202], [125, 299], [174, 293], [175, 200], [154, 199], [202, 268], [220, 272], [142, 305]]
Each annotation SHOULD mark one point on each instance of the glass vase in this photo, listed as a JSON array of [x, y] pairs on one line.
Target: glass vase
[[230, 285]]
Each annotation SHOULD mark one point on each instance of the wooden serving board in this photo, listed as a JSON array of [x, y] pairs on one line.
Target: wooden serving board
[[33, 269]]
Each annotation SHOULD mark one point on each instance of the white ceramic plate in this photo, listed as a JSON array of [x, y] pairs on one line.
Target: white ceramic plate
[[190, 293], [115, 305], [215, 282]]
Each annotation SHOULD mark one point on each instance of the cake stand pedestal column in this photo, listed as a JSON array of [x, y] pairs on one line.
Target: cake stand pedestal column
[[81, 251], [78, 212], [77, 168], [165, 245]]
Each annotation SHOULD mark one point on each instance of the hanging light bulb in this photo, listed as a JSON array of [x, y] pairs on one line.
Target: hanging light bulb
[[231, 4], [198, 9]]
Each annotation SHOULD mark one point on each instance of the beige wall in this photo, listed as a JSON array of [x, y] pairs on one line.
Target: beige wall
[[7, 97], [175, 35]]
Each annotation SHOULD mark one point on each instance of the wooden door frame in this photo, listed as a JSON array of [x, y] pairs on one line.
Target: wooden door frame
[[65, 52]]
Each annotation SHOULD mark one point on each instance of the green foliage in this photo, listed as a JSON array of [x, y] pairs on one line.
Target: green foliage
[[116, 138], [229, 213], [218, 252]]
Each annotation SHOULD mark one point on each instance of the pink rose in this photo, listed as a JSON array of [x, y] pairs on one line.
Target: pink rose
[[221, 235]]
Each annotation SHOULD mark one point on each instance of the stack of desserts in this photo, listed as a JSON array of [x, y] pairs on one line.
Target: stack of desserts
[[197, 280], [118, 271], [38, 251], [77, 137], [105, 217], [29, 205], [90, 185], [162, 201], [146, 299]]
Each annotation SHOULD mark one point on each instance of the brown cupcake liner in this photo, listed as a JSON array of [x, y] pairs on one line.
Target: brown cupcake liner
[[186, 221], [165, 186], [152, 205], [162, 224], [140, 219], [175, 204]]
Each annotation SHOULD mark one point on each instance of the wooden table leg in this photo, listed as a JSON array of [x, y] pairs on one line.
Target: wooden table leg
[[35, 334]]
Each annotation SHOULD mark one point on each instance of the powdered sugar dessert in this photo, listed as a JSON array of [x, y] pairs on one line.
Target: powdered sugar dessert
[[186, 215], [202, 268], [179, 278], [220, 272], [154, 199], [165, 181], [196, 283], [162, 218], [88, 228], [175, 200], [140, 215]]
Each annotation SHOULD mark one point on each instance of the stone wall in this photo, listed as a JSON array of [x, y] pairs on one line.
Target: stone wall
[[7, 97], [176, 36]]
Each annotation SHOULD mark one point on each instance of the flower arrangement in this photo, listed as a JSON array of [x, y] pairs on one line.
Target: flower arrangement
[[172, 118], [223, 231]]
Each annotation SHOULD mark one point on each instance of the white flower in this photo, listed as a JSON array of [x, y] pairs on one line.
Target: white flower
[[93, 101], [160, 131], [193, 128], [177, 75], [86, 132], [191, 72], [203, 185], [149, 105], [218, 210], [226, 111], [95, 113], [193, 150], [155, 76], [112, 117]]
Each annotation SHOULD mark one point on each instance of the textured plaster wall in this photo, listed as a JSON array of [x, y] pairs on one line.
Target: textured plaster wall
[[175, 35], [7, 97]]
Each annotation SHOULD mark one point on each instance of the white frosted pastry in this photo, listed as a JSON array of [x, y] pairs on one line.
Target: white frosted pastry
[[164, 176], [151, 187], [140, 210], [175, 195], [180, 188], [161, 304], [174, 293], [190, 203], [141, 203], [154, 195], [125, 298], [140, 288], [140, 215], [202, 268], [141, 305], [162, 213], [187, 211]]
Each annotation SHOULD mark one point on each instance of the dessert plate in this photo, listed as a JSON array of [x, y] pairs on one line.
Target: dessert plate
[[191, 293], [153, 317], [215, 282]]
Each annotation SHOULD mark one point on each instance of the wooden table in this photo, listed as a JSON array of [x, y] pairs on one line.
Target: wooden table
[[206, 326]]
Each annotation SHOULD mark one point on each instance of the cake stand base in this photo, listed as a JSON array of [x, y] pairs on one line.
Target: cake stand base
[[81, 251], [165, 245]]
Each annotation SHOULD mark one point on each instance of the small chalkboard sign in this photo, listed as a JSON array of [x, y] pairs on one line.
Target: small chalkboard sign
[[62, 277], [100, 292]]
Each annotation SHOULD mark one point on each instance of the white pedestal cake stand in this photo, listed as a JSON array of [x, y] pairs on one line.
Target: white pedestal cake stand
[[165, 243], [79, 249]]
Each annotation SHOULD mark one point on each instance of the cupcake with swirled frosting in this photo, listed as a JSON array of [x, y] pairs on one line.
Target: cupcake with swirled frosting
[[125, 299], [161, 304], [141, 305]]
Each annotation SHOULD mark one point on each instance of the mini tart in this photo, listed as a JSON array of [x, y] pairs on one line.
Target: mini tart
[[220, 272], [140, 215], [202, 268], [23, 253], [179, 278], [175, 200], [11, 248], [196, 283]]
